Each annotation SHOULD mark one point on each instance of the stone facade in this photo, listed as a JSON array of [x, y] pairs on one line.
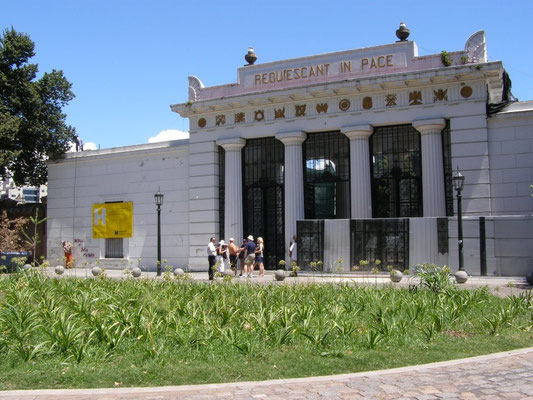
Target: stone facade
[[352, 92]]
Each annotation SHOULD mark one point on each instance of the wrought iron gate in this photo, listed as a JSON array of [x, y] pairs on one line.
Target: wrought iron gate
[[263, 196]]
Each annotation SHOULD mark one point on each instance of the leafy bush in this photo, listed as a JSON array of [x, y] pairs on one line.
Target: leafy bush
[[434, 277]]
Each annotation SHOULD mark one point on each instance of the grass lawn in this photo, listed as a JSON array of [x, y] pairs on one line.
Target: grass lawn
[[73, 333]]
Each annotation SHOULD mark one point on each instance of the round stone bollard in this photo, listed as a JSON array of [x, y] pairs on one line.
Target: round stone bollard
[[96, 271], [461, 276], [178, 272], [396, 276], [26, 267], [59, 269], [279, 275], [136, 272]]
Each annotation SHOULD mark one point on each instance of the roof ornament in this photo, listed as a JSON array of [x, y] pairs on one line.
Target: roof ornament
[[476, 48], [195, 85], [402, 32], [250, 57]]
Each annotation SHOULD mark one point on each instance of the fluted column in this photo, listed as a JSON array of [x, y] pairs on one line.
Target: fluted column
[[233, 224], [432, 166], [360, 187], [294, 181]]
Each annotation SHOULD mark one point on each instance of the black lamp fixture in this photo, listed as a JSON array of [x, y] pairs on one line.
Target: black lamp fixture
[[158, 197], [458, 182]]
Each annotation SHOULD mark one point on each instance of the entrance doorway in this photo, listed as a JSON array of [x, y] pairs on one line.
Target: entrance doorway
[[263, 196]]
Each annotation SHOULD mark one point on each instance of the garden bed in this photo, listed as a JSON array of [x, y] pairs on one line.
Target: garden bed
[[102, 332]]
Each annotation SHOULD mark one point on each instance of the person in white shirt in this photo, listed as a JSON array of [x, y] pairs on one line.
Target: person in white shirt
[[293, 249], [211, 256], [223, 254]]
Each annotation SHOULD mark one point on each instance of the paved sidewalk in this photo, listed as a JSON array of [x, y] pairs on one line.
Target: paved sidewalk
[[507, 375], [303, 277]]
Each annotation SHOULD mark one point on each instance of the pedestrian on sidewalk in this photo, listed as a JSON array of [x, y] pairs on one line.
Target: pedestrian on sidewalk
[[249, 257], [211, 257], [233, 251]]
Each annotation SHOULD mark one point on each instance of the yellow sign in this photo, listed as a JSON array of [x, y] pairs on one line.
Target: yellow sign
[[112, 220]]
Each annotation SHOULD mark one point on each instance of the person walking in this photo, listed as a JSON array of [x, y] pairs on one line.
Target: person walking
[[223, 258], [233, 251], [211, 257], [293, 250], [249, 257], [241, 256], [67, 249], [260, 248]]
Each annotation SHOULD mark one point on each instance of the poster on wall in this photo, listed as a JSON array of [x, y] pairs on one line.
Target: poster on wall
[[112, 220]]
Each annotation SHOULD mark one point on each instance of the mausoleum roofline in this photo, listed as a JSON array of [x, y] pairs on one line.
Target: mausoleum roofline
[[169, 145], [389, 60]]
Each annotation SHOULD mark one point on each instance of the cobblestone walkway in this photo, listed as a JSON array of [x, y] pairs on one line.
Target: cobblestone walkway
[[506, 375]]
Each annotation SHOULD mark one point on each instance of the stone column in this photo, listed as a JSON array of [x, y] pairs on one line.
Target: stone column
[[432, 166], [294, 182], [233, 223], [360, 186]]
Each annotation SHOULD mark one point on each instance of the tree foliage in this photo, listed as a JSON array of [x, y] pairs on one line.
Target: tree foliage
[[11, 233], [32, 124]]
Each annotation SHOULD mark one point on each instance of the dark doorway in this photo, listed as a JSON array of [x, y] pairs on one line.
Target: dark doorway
[[263, 196], [396, 172], [326, 157]]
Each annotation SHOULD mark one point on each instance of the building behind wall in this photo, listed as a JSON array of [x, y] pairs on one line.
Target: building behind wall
[[338, 148]]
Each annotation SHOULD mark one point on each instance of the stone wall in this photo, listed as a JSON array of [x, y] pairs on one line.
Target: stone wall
[[511, 160], [131, 174]]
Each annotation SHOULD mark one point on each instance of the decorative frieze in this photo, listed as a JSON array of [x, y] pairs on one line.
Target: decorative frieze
[[390, 100], [239, 118], [344, 105], [220, 120], [279, 113], [259, 115], [355, 103], [440, 95], [466, 91], [299, 110], [322, 108], [415, 98]]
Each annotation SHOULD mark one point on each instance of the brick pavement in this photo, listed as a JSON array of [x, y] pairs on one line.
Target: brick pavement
[[507, 375]]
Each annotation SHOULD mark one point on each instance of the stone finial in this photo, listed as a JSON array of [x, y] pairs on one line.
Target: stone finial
[[402, 32], [250, 57]]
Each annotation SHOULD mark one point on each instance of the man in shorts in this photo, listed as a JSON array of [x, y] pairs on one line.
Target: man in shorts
[[249, 257], [233, 250]]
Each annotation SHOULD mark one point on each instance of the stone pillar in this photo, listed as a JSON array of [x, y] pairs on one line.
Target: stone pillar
[[294, 182], [233, 223], [360, 185], [432, 166]]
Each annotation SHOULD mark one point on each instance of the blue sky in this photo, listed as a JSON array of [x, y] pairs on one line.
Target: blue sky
[[129, 60]]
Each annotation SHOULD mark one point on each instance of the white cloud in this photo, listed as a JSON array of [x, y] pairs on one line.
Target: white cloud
[[90, 146], [169, 134]]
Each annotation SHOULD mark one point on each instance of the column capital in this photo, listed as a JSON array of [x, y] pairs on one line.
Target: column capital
[[358, 132], [232, 144], [426, 126], [287, 138]]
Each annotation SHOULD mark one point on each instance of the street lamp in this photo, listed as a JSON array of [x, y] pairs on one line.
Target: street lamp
[[458, 182], [158, 197]]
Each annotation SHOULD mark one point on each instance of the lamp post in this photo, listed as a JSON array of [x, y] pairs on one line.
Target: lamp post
[[158, 197], [458, 181]]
